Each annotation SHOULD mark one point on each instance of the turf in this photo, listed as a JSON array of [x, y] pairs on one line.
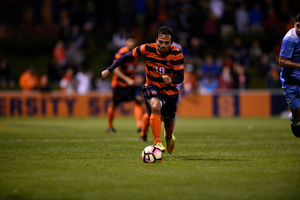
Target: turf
[[214, 158]]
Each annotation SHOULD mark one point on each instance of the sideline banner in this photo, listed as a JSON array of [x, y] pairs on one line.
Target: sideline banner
[[225, 104]]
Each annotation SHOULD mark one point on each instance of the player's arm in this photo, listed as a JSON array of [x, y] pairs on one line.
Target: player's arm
[[135, 53], [127, 79], [121, 61], [285, 62], [178, 71], [177, 79], [286, 53]]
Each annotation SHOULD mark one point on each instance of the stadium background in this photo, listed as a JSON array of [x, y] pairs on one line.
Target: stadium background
[[31, 30]]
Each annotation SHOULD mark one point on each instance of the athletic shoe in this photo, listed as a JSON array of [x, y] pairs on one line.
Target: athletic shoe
[[170, 144], [161, 147], [144, 138], [111, 130], [296, 130]]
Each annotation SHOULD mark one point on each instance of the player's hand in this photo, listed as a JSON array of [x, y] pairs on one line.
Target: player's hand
[[130, 82], [167, 79], [105, 74], [138, 80]]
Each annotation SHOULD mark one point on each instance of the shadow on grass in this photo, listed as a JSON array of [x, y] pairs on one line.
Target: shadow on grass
[[196, 158]]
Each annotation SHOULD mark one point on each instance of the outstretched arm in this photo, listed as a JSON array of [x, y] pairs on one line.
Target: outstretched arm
[[121, 61]]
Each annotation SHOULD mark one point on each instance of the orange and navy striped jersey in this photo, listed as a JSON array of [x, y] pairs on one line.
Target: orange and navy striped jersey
[[158, 65], [128, 68]]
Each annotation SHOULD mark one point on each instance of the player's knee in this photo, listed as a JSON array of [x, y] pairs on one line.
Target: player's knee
[[156, 108], [138, 101]]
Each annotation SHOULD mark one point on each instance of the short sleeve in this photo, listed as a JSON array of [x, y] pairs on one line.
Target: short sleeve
[[139, 51], [287, 47]]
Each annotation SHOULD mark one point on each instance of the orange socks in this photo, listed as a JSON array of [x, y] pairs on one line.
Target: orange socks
[[169, 131], [145, 125], [138, 113], [155, 123], [110, 117]]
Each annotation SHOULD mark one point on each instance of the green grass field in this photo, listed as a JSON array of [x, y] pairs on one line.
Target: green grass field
[[214, 158]]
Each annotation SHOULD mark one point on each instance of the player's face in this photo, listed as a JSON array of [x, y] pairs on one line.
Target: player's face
[[297, 28], [164, 43], [131, 43]]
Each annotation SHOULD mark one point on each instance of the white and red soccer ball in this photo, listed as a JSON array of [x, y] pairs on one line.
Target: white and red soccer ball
[[152, 154]]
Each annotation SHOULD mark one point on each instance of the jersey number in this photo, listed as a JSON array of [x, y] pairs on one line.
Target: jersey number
[[160, 70]]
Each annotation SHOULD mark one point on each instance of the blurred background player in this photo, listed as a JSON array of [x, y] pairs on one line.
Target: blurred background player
[[124, 86], [29, 80], [164, 70], [44, 84], [289, 60]]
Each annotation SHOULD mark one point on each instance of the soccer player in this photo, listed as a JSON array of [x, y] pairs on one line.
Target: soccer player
[[289, 60], [164, 70], [146, 116], [124, 86]]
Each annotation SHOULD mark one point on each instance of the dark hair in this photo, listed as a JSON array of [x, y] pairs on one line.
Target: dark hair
[[166, 31], [297, 18], [130, 36]]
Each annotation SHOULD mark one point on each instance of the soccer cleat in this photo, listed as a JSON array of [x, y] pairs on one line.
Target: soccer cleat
[[161, 147], [296, 130], [144, 138], [111, 130], [170, 144]]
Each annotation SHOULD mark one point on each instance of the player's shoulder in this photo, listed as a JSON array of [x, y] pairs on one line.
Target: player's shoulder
[[175, 51], [177, 45], [149, 47], [291, 36], [150, 44]]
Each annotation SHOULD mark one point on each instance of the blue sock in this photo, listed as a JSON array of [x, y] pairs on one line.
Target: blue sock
[[293, 122]]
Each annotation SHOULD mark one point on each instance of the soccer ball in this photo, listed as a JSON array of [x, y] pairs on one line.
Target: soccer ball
[[152, 154]]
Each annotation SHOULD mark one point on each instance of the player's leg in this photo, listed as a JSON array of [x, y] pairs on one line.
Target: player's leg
[[111, 109], [138, 112], [168, 112], [293, 101], [155, 119], [295, 121], [155, 103], [169, 137], [169, 124], [110, 117], [145, 127]]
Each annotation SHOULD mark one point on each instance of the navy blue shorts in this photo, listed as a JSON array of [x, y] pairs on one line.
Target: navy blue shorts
[[169, 105], [124, 94]]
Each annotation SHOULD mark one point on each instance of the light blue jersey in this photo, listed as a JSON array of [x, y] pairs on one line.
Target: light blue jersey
[[290, 77]]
